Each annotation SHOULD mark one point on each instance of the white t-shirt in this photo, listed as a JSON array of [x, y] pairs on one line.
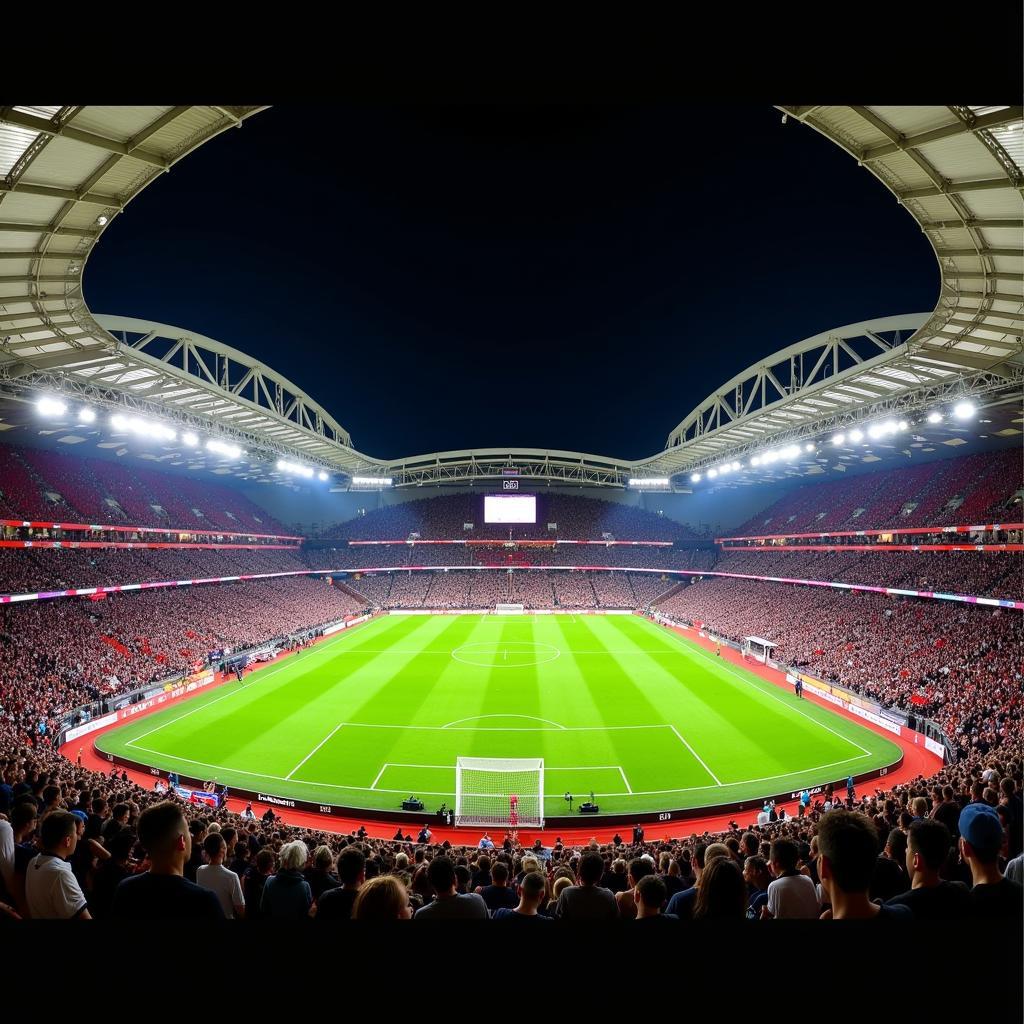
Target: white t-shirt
[[6, 853], [793, 897], [224, 882], [762, 817], [51, 889]]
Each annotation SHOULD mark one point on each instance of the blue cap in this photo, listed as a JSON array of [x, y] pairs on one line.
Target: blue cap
[[980, 826], [81, 815]]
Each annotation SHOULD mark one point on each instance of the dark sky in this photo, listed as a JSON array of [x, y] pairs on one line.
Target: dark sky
[[551, 277]]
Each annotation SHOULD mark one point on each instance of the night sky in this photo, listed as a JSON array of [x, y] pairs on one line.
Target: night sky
[[550, 277]]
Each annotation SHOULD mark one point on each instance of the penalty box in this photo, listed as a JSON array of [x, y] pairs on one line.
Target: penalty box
[[609, 760]]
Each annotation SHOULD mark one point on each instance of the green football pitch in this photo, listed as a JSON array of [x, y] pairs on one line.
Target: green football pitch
[[615, 705]]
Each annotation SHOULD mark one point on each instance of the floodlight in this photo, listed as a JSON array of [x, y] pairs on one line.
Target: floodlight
[[51, 407], [935, 417], [839, 439], [856, 436], [964, 410], [712, 473], [86, 415], [190, 439]]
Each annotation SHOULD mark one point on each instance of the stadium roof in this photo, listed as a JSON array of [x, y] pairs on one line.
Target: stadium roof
[[66, 172]]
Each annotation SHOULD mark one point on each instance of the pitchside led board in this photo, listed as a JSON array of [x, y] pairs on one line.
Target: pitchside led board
[[510, 508]]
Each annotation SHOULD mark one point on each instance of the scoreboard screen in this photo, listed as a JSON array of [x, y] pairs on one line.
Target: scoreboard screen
[[510, 508]]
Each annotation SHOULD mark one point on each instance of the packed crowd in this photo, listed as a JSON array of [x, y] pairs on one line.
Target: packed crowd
[[34, 570], [977, 573], [384, 556], [959, 664], [78, 844], [531, 588], [58, 655], [576, 517], [46, 485], [971, 489]]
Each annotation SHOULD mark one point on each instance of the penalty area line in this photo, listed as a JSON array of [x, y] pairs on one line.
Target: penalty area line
[[682, 740], [314, 750]]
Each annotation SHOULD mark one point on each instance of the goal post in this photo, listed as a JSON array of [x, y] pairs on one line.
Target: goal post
[[492, 791], [509, 609]]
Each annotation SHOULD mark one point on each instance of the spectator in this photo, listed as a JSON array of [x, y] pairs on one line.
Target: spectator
[[319, 875], [722, 894], [587, 901], [255, 881], [221, 880], [382, 899], [649, 896], [287, 895], [758, 878], [848, 844], [498, 894], [336, 904], [449, 904], [981, 840], [532, 894], [51, 889], [681, 905], [930, 898], [109, 875], [163, 892], [790, 895]]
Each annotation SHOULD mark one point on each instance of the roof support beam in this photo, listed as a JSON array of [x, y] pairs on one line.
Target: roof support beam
[[48, 192], [995, 120], [45, 127], [952, 188]]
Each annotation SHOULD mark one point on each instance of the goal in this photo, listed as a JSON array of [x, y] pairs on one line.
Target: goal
[[493, 791], [509, 609]]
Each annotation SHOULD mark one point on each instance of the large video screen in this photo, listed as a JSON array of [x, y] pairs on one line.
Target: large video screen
[[510, 508]]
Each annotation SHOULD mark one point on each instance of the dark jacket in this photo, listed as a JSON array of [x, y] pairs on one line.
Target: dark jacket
[[286, 895]]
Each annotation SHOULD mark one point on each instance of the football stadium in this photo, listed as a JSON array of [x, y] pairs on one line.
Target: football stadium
[[250, 667]]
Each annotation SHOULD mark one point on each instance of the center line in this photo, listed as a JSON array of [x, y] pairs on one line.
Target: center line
[[314, 750]]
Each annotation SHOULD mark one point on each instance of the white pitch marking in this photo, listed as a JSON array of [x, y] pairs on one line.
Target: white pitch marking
[[260, 677], [625, 780], [366, 789], [515, 728], [373, 785], [475, 718], [314, 750], [767, 693], [682, 739]]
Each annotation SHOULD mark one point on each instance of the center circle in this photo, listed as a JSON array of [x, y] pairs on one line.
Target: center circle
[[506, 653]]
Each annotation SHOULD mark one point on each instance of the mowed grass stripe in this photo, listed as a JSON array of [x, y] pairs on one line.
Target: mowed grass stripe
[[406, 696], [627, 696], [756, 735], [858, 736]]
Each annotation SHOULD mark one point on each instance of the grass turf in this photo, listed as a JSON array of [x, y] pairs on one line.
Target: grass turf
[[644, 718]]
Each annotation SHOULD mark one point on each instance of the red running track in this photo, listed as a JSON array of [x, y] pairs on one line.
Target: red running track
[[917, 761]]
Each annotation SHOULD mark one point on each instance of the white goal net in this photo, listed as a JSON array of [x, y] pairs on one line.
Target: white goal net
[[493, 791], [509, 609]]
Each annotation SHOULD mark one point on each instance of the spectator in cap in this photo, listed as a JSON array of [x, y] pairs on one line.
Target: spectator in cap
[[981, 841]]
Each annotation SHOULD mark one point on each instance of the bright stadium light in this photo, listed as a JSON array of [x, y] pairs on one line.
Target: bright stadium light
[[51, 407], [190, 439], [737, 465], [321, 475], [808, 447], [371, 481], [791, 452], [220, 448], [712, 473], [902, 425], [856, 436], [102, 219], [875, 431], [935, 417], [756, 460], [695, 478], [964, 410], [839, 439], [650, 482], [86, 415]]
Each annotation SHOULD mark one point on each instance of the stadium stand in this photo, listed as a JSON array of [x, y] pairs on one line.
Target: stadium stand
[[964, 490], [577, 518], [42, 484]]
